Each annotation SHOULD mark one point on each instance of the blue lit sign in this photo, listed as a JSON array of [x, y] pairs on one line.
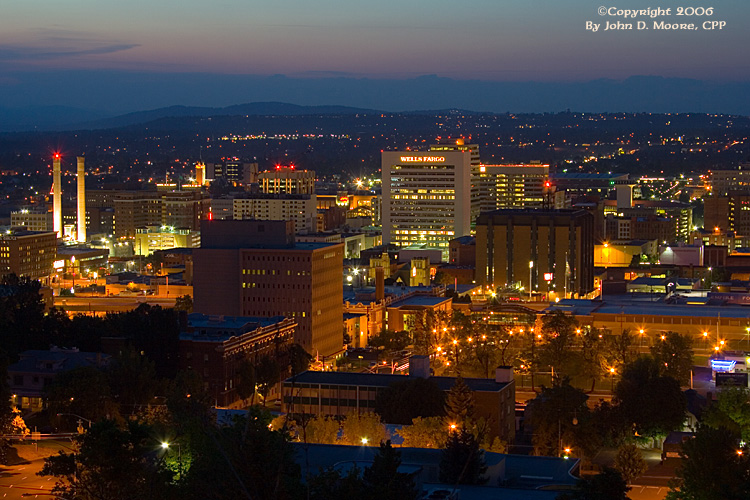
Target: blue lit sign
[[722, 365]]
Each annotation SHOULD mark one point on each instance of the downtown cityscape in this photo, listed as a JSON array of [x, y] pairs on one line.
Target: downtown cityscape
[[348, 261]]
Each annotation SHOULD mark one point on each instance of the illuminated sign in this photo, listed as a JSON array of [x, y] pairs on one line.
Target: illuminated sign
[[549, 276], [423, 159], [722, 365], [58, 264]]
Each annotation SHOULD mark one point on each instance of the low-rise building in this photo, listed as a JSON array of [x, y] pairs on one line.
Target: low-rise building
[[216, 346], [28, 253], [37, 370], [344, 393]]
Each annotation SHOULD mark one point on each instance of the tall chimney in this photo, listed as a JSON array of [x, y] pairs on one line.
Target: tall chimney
[[56, 196], [81, 201]]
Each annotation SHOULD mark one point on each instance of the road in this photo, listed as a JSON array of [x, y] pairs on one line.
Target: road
[[21, 482]]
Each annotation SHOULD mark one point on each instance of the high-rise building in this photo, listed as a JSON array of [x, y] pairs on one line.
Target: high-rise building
[[255, 268], [722, 182], [287, 180], [300, 208], [548, 250], [426, 197], [513, 186], [28, 253], [233, 171], [447, 145]]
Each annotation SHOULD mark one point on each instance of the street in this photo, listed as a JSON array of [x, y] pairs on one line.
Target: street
[[21, 481]]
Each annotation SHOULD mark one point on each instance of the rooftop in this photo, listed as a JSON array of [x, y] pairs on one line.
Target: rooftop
[[385, 380]]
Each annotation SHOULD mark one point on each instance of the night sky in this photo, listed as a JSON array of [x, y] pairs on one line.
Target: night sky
[[490, 40]]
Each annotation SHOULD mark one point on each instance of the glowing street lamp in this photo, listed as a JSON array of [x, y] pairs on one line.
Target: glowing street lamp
[[364, 441], [531, 267]]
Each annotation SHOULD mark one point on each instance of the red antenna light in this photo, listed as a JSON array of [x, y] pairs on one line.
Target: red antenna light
[[57, 155]]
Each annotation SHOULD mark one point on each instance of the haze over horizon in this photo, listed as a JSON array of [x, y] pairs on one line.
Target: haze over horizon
[[114, 57]]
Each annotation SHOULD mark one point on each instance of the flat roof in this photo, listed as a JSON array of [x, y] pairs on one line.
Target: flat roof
[[419, 300], [385, 380], [646, 308]]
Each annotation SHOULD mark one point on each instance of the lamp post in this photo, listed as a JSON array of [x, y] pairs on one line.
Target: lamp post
[[531, 267], [165, 446]]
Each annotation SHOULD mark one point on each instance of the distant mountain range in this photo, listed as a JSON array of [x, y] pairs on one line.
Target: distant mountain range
[[30, 101]]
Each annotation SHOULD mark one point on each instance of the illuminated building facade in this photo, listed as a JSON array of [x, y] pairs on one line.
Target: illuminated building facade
[[448, 145], [255, 268], [513, 186], [32, 220], [426, 197], [153, 238], [548, 250], [287, 180], [28, 253], [300, 208]]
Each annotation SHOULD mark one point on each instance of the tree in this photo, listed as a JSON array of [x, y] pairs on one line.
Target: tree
[[267, 371], [184, 303], [330, 484], [363, 428], [321, 429], [592, 355], [675, 353], [653, 403], [430, 432], [383, 480], [244, 460], [558, 334], [84, 391], [609, 485], [731, 411], [557, 416], [629, 462], [462, 461], [133, 381], [621, 348], [410, 398], [459, 403], [111, 463], [390, 340], [246, 385], [712, 468]]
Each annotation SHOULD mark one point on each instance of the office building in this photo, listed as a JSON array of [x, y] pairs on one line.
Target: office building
[[34, 219], [151, 239], [300, 208], [721, 182], [342, 393], [513, 186], [448, 145], [233, 171], [426, 197], [545, 250], [28, 253], [215, 347], [728, 213], [255, 268], [287, 180]]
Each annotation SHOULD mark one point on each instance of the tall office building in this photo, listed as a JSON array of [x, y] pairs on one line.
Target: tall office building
[[255, 268], [287, 180], [300, 208], [448, 145], [426, 197], [549, 250], [513, 186]]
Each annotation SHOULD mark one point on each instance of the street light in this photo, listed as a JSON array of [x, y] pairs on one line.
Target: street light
[[77, 416], [531, 267], [364, 441], [165, 446]]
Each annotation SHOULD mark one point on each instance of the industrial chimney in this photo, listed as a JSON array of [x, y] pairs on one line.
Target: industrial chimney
[[81, 201], [56, 196]]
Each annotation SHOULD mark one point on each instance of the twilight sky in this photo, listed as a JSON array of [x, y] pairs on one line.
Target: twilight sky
[[491, 40]]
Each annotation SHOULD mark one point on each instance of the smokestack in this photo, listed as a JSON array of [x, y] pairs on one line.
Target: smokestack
[[56, 196], [81, 200]]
